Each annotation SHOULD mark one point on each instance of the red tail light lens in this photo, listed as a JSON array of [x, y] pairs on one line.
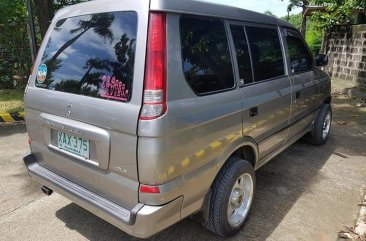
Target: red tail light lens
[[155, 70], [149, 189]]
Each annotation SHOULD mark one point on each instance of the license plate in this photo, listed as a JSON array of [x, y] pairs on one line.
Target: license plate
[[73, 144]]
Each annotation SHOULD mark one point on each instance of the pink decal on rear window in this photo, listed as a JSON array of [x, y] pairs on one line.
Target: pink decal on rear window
[[113, 88]]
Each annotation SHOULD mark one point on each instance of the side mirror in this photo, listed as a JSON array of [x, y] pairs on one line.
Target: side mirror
[[321, 60]]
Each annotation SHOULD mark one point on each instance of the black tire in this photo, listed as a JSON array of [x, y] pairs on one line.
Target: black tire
[[316, 135], [218, 221]]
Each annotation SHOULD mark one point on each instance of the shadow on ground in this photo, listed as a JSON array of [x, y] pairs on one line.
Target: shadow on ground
[[7, 129], [279, 185]]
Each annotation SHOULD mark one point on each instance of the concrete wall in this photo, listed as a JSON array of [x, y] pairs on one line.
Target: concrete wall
[[346, 48]]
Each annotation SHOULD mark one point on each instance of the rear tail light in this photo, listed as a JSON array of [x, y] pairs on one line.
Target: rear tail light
[[149, 189], [155, 70]]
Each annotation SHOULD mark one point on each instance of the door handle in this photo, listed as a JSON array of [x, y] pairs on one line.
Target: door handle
[[297, 94], [253, 111]]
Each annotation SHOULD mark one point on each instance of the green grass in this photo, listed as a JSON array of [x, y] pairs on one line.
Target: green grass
[[11, 100]]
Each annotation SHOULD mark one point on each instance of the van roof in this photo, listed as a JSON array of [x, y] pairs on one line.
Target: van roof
[[210, 8], [197, 7]]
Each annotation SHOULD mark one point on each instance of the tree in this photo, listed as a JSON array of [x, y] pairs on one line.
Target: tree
[[122, 69], [45, 10], [95, 63], [14, 49], [301, 4], [58, 4], [12, 12], [313, 33], [269, 13], [337, 12], [99, 23], [294, 19], [125, 53]]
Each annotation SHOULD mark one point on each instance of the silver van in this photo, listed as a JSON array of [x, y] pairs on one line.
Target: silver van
[[147, 112]]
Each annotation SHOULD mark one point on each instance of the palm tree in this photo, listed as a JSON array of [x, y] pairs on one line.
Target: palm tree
[[99, 23], [89, 65], [125, 53]]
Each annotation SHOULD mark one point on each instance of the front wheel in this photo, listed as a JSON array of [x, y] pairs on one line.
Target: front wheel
[[320, 133], [231, 198]]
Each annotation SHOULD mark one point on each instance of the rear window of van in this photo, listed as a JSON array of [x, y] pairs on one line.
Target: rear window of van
[[206, 55], [91, 55]]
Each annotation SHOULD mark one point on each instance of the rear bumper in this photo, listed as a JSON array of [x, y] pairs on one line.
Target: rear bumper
[[142, 221]]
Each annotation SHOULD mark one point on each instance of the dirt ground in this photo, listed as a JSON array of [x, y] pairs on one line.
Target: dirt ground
[[305, 193]]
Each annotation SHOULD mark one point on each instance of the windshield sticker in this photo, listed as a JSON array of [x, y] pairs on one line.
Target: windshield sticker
[[114, 89], [42, 73]]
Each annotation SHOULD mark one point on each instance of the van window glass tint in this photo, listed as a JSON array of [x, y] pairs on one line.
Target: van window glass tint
[[206, 57], [242, 53], [266, 53], [91, 55], [300, 57]]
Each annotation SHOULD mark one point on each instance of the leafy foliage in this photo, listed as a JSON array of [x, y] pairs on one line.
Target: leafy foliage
[[313, 33], [99, 23], [58, 4], [294, 19], [45, 10], [12, 12], [314, 36], [301, 4], [337, 12], [14, 49], [298, 3], [15, 56], [269, 13]]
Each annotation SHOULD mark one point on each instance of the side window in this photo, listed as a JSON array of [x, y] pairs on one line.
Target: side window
[[266, 53], [242, 53], [205, 54], [300, 57]]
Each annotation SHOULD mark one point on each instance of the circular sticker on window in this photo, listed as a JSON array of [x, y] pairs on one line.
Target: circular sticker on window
[[42, 73]]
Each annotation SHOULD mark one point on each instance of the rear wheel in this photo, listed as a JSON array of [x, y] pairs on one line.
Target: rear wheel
[[231, 198], [319, 134]]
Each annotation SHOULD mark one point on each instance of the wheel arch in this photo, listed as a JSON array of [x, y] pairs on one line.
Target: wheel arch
[[245, 148], [248, 153]]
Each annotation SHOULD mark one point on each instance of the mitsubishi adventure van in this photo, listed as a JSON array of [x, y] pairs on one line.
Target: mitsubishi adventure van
[[146, 112]]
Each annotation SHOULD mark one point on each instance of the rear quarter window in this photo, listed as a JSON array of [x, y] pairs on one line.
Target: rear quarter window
[[205, 55], [91, 55]]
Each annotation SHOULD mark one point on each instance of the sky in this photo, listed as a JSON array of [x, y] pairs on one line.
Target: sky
[[277, 7]]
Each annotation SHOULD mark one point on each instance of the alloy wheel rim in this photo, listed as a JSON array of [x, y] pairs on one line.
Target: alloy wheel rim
[[240, 200], [326, 125]]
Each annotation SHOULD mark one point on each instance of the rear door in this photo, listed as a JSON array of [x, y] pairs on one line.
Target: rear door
[[306, 87], [84, 97], [265, 85]]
